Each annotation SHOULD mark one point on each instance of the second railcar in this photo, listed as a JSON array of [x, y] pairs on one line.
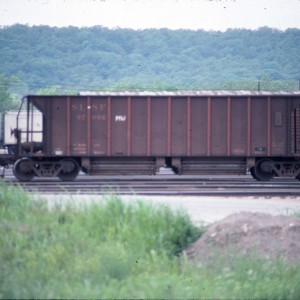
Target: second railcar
[[193, 133]]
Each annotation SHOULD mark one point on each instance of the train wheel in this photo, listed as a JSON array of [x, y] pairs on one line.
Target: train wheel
[[22, 169], [70, 169], [263, 170]]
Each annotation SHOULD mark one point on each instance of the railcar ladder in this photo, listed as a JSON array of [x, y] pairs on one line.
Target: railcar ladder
[[295, 130]]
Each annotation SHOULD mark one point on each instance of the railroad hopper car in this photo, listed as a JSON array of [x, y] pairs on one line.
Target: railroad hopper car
[[137, 133], [10, 120]]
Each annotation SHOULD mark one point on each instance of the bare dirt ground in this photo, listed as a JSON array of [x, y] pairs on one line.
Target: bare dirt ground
[[246, 233]]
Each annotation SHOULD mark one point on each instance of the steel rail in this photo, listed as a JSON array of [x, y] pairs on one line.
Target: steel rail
[[162, 185]]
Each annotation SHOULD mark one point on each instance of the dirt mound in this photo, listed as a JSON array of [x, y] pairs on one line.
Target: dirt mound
[[264, 235]]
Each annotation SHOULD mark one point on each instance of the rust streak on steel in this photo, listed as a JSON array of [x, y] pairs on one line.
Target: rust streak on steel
[[189, 126], [89, 108], [108, 125], [68, 125], [228, 125], [208, 126], [169, 125], [249, 126], [129, 126], [148, 126], [269, 127]]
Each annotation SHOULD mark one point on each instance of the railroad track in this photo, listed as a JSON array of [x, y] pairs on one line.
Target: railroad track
[[161, 185]]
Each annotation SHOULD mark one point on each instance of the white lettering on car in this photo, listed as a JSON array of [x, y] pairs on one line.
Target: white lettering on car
[[120, 118]]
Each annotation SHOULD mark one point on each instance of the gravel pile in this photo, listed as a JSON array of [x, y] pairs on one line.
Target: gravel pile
[[264, 235]]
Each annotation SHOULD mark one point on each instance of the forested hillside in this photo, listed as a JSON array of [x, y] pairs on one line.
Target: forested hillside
[[97, 58]]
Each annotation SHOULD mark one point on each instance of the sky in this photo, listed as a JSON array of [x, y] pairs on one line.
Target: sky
[[141, 14]]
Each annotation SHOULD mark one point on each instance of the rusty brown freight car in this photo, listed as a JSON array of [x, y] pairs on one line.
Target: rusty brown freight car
[[136, 133]]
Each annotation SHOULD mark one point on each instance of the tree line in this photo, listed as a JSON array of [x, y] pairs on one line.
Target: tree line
[[49, 59]]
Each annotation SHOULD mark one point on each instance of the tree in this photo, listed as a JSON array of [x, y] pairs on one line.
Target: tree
[[85, 58], [6, 100]]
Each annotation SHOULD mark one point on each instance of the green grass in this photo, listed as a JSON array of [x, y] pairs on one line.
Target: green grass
[[297, 214], [113, 250]]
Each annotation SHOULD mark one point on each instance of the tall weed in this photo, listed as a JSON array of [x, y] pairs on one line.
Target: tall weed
[[113, 250]]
